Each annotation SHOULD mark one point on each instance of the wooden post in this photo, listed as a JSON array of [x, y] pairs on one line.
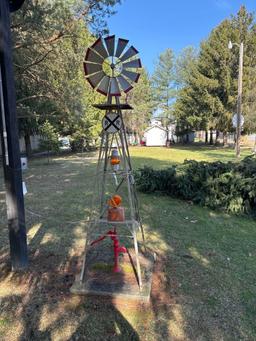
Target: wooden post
[[239, 99], [10, 144]]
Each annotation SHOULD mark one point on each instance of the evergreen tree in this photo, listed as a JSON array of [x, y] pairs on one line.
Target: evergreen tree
[[184, 63], [163, 82], [208, 99], [50, 138], [141, 100]]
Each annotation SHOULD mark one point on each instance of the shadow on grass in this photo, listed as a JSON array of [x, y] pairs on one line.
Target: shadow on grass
[[207, 269], [37, 304], [207, 266]]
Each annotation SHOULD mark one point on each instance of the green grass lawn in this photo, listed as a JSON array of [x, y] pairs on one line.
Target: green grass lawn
[[160, 157], [204, 288]]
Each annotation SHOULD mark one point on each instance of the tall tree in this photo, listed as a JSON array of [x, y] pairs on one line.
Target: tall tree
[[163, 82], [188, 92], [141, 99], [210, 95], [184, 63], [49, 40]]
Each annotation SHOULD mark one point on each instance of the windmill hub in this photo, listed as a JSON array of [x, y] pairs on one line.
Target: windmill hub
[[112, 66]]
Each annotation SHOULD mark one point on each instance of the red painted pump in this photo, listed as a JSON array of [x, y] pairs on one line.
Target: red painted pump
[[117, 249]]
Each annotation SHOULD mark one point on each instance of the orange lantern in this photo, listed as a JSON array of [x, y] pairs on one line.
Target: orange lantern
[[116, 214], [114, 162], [115, 200], [115, 159]]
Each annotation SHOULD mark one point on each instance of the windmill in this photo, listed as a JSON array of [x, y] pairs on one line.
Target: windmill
[[112, 67]]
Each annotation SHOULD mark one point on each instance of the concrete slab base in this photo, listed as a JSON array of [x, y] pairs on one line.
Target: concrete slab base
[[100, 279]]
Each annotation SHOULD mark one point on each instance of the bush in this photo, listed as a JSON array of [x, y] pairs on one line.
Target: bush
[[227, 186], [77, 142], [49, 138], [149, 180], [80, 142]]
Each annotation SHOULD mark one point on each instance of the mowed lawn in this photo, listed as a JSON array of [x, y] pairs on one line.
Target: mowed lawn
[[159, 157], [205, 274]]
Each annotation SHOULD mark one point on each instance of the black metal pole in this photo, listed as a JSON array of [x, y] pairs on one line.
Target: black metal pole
[[10, 146]]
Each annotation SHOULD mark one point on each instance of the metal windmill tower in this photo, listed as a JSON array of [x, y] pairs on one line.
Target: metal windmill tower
[[111, 69]]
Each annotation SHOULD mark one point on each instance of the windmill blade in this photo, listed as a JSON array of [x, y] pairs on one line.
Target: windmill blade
[[125, 85], [100, 48], [95, 79], [93, 57], [110, 43], [114, 87], [121, 45], [129, 53], [136, 63], [133, 76], [90, 68], [104, 85]]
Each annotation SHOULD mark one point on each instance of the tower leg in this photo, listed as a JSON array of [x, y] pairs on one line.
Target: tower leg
[[102, 203], [137, 257]]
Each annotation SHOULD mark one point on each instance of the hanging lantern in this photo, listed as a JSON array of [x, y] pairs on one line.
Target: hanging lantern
[[115, 160], [115, 212], [115, 200]]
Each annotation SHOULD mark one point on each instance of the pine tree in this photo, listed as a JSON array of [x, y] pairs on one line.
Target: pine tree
[[163, 82], [141, 100], [208, 99]]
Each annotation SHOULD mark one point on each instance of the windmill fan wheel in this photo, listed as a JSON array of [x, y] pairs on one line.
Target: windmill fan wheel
[[111, 68]]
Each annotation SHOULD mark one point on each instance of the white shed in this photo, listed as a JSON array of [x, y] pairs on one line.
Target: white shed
[[155, 135]]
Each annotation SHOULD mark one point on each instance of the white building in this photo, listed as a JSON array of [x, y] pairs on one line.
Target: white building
[[155, 134]]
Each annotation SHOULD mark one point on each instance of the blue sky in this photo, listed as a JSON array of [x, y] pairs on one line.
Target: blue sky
[[154, 25]]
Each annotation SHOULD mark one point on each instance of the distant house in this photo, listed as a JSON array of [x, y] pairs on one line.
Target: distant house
[[158, 135], [155, 134]]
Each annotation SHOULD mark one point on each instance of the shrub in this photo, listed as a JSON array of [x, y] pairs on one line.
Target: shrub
[[227, 186], [49, 139], [149, 180], [78, 142]]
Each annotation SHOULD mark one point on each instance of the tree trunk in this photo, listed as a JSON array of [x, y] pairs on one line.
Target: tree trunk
[[48, 152], [217, 136], [225, 138], [137, 138], [206, 136], [140, 136], [28, 144], [211, 136]]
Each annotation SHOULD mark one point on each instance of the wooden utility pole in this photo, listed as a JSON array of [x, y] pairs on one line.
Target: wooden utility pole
[[10, 142], [239, 95], [239, 99]]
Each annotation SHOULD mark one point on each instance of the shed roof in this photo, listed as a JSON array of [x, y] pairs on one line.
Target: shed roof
[[155, 126]]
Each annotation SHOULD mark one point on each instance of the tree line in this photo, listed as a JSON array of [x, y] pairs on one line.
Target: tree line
[[197, 89], [201, 85]]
